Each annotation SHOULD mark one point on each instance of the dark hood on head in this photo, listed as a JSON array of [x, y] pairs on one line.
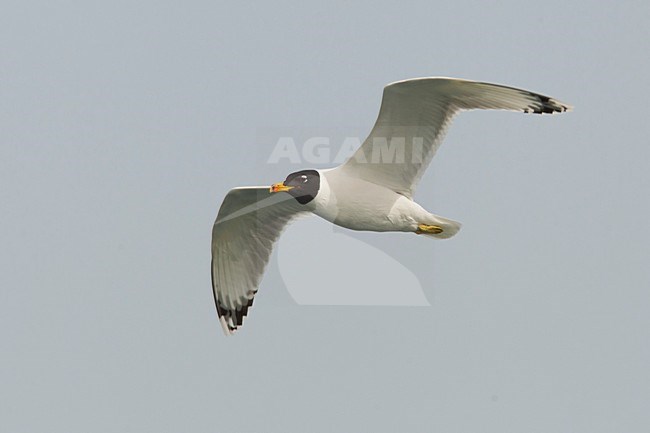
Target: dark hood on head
[[305, 183]]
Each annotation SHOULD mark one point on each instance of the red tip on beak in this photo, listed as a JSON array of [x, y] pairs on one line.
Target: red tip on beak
[[279, 187]]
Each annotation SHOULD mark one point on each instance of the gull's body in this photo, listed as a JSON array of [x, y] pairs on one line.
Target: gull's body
[[370, 207], [372, 191]]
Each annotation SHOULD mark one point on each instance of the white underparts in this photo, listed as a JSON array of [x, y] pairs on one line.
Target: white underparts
[[360, 205]]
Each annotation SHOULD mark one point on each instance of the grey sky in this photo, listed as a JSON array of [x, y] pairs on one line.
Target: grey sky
[[122, 127]]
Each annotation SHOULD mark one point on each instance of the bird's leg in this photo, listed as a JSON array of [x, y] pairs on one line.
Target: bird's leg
[[425, 228]]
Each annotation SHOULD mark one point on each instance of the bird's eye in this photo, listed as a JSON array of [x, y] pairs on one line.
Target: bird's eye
[[304, 178]]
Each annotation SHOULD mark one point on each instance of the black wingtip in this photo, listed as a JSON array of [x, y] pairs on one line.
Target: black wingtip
[[546, 105], [232, 318]]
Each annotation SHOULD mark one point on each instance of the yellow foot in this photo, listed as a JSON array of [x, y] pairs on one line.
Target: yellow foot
[[425, 228]]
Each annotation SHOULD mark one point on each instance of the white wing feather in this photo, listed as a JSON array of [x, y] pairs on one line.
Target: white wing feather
[[420, 111], [249, 222]]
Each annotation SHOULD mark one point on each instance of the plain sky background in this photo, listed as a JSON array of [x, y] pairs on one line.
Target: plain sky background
[[123, 125]]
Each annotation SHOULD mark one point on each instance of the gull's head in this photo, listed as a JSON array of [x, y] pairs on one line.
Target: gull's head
[[302, 185]]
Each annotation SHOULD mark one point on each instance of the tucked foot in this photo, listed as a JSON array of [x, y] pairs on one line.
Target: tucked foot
[[427, 229]]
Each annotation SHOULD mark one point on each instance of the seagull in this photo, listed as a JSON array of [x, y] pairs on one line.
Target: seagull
[[371, 191]]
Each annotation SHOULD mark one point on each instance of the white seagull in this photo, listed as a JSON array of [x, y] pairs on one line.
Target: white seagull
[[372, 191]]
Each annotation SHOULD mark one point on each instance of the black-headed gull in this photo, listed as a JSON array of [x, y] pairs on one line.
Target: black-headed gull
[[373, 190]]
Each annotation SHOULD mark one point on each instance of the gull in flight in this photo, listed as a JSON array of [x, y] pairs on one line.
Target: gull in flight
[[372, 191]]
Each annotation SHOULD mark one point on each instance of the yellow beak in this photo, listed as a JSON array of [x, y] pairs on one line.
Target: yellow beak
[[279, 187]]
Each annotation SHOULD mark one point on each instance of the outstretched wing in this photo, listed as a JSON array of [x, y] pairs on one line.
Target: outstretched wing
[[248, 223], [414, 117]]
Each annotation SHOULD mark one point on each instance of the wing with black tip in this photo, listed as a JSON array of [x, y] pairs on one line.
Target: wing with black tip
[[249, 222], [414, 117]]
